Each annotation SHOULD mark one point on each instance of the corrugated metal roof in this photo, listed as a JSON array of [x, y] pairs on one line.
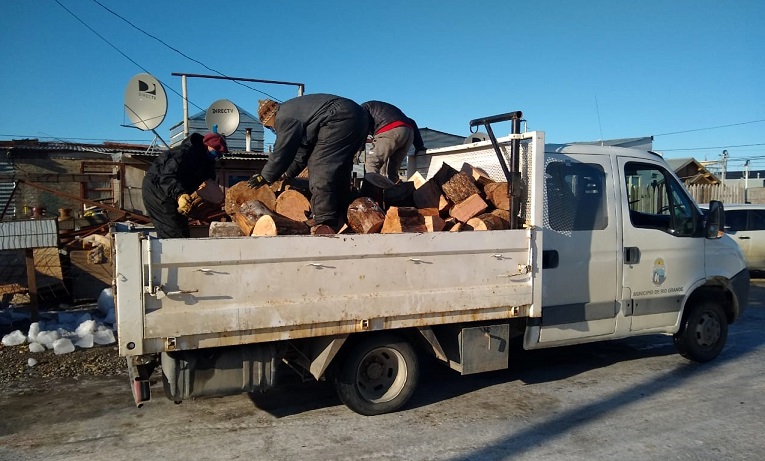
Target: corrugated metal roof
[[32, 233], [115, 150]]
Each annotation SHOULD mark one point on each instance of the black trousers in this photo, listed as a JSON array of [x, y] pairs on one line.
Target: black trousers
[[331, 161], [163, 212]]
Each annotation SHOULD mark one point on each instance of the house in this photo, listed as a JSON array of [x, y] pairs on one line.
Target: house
[[691, 171], [237, 141]]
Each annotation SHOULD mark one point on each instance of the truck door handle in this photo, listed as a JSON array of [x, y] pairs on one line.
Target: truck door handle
[[744, 237], [631, 255]]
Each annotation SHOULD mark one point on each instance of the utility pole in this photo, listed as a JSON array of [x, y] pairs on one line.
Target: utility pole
[[746, 181], [724, 164]]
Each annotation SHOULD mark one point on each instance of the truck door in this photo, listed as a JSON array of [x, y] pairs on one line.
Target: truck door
[[663, 243], [580, 272]]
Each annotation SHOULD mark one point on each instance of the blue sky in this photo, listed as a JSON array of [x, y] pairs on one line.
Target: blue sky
[[579, 71]]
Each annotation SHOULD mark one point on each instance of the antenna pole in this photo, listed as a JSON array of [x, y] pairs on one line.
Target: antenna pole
[[185, 108]]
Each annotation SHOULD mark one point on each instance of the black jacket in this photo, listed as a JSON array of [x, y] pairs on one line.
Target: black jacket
[[383, 113], [181, 169], [297, 123]]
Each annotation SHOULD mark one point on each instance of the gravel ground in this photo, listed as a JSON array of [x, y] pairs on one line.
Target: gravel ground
[[15, 373]]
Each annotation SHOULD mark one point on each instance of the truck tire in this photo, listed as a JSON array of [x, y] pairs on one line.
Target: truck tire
[[703, 332], [378, 375]]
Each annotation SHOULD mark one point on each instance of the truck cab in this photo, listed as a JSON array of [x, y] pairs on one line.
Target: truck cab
[[627, 251]]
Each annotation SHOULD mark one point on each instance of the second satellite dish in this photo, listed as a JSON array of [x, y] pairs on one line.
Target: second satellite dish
[[145, 102], [225, 115]]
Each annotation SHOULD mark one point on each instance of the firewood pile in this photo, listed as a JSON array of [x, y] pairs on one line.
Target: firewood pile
[[452, 200]]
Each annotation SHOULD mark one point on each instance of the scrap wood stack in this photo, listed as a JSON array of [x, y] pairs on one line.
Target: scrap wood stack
[[451, 200]]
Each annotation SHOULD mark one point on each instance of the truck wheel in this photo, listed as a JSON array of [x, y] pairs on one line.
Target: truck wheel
[[378, 375], [703, 332]]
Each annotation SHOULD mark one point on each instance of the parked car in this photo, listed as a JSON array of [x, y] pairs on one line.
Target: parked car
[[745, 223]]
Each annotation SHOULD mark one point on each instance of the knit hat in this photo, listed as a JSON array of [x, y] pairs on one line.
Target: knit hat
[[217, 142], [266, 111]]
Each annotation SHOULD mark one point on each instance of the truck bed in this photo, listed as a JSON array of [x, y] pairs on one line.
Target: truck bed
[[179, 294]]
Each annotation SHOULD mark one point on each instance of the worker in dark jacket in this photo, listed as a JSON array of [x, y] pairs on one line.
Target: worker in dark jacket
[[322, 132], [393, 134], [174, 176]]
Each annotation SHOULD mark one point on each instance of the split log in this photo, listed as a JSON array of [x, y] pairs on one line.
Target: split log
[[496, 194], [403, 219], [248, 215], [428, 195], [417, 180], [322, 229], [240, 193], [479, 175], [444, 206], [365, 216], [434, 223], [271, 225], [206, 201], [504, 215], [444, 174], [459, 187], [486, 221], [468, 208], [224, 229], [459, 227], [293, 205]]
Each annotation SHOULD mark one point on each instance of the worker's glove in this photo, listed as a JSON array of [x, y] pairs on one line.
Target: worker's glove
[[184, 204], [257, 181]]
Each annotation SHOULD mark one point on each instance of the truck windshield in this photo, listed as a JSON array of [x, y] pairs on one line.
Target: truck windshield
[[658, 201]]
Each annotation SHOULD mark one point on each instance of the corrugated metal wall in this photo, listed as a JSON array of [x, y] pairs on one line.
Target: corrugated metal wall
[[6, 187]]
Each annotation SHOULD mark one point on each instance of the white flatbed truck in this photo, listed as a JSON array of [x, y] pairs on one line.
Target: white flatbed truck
[[607, 244]]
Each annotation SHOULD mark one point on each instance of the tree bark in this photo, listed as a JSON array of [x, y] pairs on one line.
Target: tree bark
[[365, 216], [496, 194], [486, 221], [271, 225], [240, 193], [224, 229], [459, 187], [248, 214]]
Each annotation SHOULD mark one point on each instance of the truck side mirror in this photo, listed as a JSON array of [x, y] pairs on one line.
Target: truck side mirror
[[713, 228]]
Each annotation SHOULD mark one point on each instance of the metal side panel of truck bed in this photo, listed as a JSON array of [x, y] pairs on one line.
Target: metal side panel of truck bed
[[178, 294]]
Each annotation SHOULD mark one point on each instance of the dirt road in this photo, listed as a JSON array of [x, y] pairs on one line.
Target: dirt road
[[634, 399]]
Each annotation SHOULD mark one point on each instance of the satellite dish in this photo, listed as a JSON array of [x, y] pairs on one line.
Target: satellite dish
[[225, 115], [476, 137], [145, 102]]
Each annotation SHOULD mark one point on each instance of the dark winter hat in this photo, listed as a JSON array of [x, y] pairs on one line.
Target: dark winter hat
[[217, 142]]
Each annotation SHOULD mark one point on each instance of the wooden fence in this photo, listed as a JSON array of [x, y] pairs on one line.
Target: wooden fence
[[704, 193]]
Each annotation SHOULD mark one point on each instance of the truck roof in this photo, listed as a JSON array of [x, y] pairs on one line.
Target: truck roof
[[574, 148]]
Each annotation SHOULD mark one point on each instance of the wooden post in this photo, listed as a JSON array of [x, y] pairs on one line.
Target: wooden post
[[32, 283]]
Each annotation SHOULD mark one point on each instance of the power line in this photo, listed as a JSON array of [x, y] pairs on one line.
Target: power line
[[118, 50], [708, 148], [710, 128], [180, 52]]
